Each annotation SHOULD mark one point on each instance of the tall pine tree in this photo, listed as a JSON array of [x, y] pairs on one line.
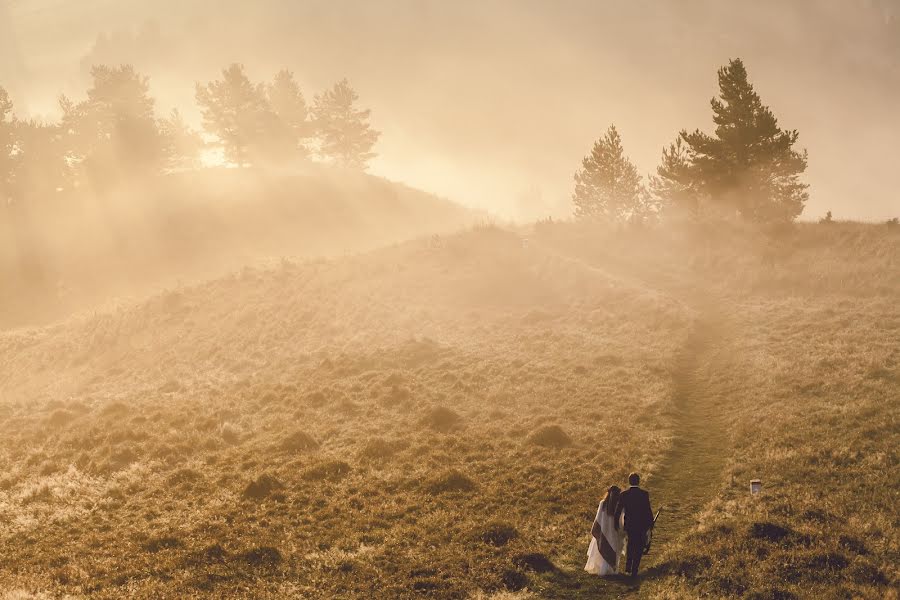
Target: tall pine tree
[[290, 108], [345, 136], [608, 186], [750, 165], [114, 131], [238, 112]]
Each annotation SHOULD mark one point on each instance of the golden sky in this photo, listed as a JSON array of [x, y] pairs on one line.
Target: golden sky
[[494, 102]]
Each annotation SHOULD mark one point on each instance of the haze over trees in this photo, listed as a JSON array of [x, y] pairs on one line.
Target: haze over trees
[[749, 168], [346, 136], [608, 186], [750, 165]]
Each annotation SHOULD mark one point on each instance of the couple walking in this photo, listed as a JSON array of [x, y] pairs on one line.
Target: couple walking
[[606, 533]]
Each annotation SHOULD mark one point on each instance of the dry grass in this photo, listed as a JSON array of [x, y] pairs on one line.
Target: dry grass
[[436, 418], [421, 419]]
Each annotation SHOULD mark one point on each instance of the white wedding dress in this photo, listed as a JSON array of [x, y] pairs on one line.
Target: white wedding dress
[[596, 563]]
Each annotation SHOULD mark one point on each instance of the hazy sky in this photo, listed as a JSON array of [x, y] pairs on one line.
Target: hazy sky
[[494, 102]]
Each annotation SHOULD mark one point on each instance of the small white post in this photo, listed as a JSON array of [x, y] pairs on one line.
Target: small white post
[[755, 487]]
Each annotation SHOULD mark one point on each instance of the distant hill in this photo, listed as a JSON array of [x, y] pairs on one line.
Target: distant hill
[[81, 249]]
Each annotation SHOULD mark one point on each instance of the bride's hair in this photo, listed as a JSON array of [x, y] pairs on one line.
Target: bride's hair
[[611, 499]]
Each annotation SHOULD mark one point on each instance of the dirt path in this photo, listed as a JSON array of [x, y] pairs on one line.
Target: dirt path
[[693, 470]]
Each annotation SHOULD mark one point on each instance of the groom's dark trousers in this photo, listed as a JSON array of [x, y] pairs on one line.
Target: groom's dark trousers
[[634, 551], [638, 519]]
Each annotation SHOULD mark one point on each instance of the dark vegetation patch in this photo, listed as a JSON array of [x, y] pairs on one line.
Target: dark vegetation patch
[[299, 441], [497, 533], [442, 419], [262, 557], [535, 561], [451, 481], [770, 532], [379, 449], [332, 470], [158, 544], [262, 487], [514, 580], [550, 436], [185, 477]]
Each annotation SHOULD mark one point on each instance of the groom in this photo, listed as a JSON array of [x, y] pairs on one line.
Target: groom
[[638, 520]]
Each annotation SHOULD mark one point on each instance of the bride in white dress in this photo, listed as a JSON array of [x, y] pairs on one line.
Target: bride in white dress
[[603, 554]]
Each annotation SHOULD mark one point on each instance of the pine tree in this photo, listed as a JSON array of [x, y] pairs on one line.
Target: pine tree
[[346, 138], [675, 184], [181, 144], [749, 166], [608, 186], [115, 129], [237, 111], [290, 108]]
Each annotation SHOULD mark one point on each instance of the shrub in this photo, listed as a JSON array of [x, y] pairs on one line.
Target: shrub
[[379, 449], [332, 470], [450, 482], [121, 458], [299, 441], [184, 477], [768, 531], [162, 543], [497, 534], [262, 486], [442, 419], [514, 580], [550, 436], [262, 557], [537, 562]]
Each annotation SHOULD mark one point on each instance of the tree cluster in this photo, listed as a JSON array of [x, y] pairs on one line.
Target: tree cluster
[[747, 168], [115, 133]]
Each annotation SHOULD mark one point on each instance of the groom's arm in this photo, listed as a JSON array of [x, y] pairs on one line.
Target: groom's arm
[[620, 507], [649, 513]]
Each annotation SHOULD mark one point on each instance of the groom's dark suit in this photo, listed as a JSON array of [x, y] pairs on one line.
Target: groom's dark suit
[[638, 519]]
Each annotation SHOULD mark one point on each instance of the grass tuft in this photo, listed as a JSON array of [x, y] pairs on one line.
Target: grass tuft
[[550, 436]]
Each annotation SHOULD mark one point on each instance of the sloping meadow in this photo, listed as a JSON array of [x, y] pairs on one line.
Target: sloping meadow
[[439, 417], [810, 389]]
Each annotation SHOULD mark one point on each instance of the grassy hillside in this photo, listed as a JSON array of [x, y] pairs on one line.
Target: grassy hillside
[[439, 418], [81, 248], [802, 390], [436, 417]]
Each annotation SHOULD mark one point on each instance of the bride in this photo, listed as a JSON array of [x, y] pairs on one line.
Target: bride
[[603, 553]]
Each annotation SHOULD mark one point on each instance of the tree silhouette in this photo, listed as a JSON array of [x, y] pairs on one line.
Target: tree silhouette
[[114, 132], [181, 144], [290, 107], [237, 111], [7, 147], [675, 183], [346, 138], [749, 166], [608, 186]]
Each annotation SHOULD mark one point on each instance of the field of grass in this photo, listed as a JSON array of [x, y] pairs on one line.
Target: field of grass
[[439, 418]]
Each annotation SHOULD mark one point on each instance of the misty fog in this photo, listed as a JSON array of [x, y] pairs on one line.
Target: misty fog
[[493, 104]]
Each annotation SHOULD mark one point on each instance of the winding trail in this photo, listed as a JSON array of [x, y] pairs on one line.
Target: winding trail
[[692, 473], [693, 470]]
